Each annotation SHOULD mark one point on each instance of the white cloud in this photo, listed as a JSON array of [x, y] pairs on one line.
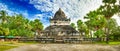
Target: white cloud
[[74, 9], [42, 18], [44, 5], [25, 13], [9, 12], [117, 19], [4, 7]]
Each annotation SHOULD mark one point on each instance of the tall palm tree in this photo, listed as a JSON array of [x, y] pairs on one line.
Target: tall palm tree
[[96, 23], [81, 27], [3, 16], [108, 10], [89, 28]]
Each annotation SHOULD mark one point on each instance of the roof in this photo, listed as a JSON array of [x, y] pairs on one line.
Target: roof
[[60, 28], [59, 15], [2, 36]]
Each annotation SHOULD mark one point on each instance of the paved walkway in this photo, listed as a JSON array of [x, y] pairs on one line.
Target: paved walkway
[[67, 47]]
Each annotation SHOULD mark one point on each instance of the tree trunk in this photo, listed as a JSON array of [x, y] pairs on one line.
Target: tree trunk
[[91, 36], [107, 33]]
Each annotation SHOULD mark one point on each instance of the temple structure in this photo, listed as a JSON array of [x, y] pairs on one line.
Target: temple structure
[[59, 30]]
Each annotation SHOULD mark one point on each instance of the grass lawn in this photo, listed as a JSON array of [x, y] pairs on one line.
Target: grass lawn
[[4, 47], [115, 43], [110, 43], [9, 45]]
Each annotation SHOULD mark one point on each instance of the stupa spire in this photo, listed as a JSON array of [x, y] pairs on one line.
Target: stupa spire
[[59, 14]]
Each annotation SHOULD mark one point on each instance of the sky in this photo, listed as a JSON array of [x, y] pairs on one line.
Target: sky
[[45, 9]]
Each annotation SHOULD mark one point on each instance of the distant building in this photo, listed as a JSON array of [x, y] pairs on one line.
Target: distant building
[[59, 29]]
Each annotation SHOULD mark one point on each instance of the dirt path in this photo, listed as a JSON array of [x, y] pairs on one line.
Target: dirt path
[[67, 47]]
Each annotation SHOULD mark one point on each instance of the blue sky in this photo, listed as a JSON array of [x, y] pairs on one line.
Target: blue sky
[[24, 7], [45, 9]]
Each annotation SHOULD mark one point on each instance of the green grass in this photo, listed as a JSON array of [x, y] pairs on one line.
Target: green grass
[[115, 43], [9, 45], [110, 43], [4, 47]]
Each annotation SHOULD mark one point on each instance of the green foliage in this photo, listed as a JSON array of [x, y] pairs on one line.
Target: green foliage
[[115, 33], [95, 22], [109, 8], [100, 20], [82, 28], [79, 25], [3, 16], [109, 1], [36, 26], [4, 31], [1, 31], [17, 25], [99, 33], [73, 25], [112, 23], [13, 32]]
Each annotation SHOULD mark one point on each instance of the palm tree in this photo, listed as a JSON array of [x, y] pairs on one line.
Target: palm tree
[[81, 27], [96, 23], [3, 16], [108, 10], [89, 28]]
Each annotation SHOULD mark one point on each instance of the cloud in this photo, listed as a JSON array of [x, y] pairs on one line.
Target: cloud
[[43, 19], [4, 7], [43, 5], [74, 9], [24, 13], [10, 12], [117, 19]]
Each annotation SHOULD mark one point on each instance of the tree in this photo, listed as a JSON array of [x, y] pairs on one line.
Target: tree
[[13, 32], [1, 31], [20, 26], [36, 26], [3, 16], [4, 31], [17, 25], [73, 25], [95, 21], [115, 34], [108, 10], [88, 29], [81, 27], [99, 33]]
